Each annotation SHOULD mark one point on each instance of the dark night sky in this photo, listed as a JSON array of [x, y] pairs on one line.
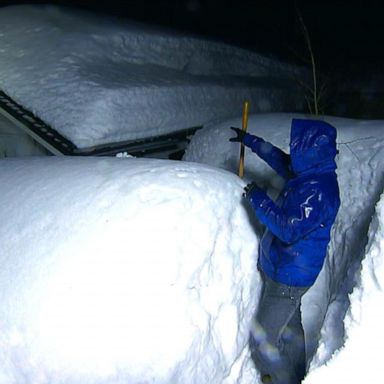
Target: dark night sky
[[347, 36]]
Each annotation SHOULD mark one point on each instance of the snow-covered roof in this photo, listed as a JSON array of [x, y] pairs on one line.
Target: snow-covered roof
[[99, 80]]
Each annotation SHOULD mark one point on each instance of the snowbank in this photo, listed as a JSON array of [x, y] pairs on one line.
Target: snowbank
[[360, 174], [124, 271], [360, 360], [100, 80]]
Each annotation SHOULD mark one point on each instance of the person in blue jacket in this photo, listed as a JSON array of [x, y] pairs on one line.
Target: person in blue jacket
[[294, 244]]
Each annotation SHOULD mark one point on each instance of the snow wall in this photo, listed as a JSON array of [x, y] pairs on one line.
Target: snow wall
[[360, 175], [360, 361], [124, 271]]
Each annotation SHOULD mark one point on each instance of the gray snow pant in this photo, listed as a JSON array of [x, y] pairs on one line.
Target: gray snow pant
[[277, 336]]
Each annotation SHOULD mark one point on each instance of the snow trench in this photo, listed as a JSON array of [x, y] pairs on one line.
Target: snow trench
[[360, 163], [187, 222]]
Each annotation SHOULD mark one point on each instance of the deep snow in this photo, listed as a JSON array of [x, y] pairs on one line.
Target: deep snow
[[124, 271], [101, 80], [143, 271], [360, 174], [359, 361], [133, 270]]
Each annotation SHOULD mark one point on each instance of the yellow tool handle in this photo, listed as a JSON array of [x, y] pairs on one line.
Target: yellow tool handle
[[244, 127]]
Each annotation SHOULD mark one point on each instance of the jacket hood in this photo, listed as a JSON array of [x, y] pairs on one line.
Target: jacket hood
[[312, 145]]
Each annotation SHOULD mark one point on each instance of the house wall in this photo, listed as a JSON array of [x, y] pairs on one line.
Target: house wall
[[15, 143]]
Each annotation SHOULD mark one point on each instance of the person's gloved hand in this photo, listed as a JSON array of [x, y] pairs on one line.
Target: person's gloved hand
[[239, 135], [249, 189]]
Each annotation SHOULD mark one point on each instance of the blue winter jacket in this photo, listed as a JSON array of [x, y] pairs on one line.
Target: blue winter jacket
[[298, 223]]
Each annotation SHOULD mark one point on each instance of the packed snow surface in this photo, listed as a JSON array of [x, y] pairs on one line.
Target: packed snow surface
[[361, 178], [101, 80], [124, 271]]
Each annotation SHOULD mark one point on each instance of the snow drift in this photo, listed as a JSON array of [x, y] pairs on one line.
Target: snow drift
[[99, 80], [360, 175], [124, 271]]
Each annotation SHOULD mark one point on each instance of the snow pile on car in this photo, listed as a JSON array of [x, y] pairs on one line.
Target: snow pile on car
[[124, 271]]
